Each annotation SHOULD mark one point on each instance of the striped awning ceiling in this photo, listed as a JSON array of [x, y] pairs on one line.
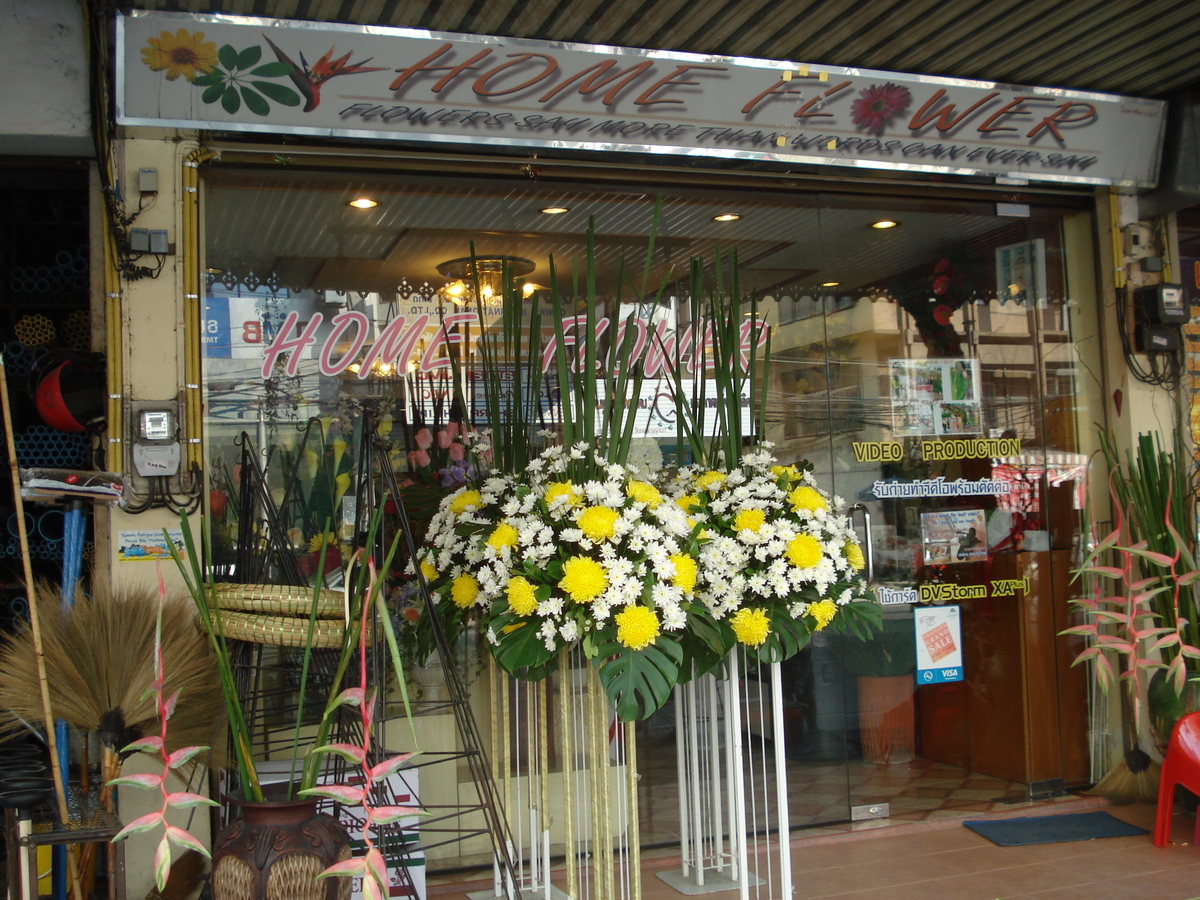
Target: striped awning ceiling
[[1146, 48]]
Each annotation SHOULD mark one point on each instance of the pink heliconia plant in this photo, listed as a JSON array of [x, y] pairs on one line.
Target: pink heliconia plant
[[372, 867], [1125, 622], [156, 746]]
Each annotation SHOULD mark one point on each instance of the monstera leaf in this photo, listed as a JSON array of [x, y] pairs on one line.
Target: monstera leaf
[[521, 651], [705, 643], [638, 682]]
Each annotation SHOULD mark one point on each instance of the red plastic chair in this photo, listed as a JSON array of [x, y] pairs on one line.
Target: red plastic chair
[[1181, 766]]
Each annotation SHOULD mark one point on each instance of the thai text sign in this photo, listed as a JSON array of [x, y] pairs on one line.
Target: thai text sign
[[329, 80]]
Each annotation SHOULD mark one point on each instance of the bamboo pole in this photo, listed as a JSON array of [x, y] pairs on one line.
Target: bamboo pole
[[60, 792]]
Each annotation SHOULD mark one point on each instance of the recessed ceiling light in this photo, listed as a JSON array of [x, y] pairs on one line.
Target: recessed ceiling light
[[554, 210], [726, 217], [830, 283], [884, 223], [363, 203]]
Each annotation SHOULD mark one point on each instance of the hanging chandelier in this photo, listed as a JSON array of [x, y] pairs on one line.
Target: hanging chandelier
[[486, 271]]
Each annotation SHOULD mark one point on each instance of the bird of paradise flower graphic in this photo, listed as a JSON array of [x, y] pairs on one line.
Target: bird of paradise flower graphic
[[309, 79]]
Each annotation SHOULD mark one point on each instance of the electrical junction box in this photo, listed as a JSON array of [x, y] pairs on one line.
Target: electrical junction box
[[1162, 304], [148, 181], [158, 241], [1139, 240], [156, 459], [139, 240], [1158, 338]]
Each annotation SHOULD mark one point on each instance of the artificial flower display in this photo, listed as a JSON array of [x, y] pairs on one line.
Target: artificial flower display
[[779, 559]]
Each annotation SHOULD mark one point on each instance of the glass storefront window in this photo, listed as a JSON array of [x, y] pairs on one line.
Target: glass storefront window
[[932, 371]]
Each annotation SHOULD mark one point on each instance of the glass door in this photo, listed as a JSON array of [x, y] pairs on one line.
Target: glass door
[[930, 369]]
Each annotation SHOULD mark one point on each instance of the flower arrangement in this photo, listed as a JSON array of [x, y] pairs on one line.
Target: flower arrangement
[[779, 560], [549, 561], [932, 299]]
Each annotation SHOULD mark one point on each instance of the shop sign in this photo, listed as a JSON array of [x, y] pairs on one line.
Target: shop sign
[[330, 80], [348, 342], [939, 644]]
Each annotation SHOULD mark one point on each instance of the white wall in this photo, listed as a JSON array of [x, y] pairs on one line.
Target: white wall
[[44, 108]]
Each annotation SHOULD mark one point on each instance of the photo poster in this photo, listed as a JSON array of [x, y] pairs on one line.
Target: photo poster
[[1021, 273], [951, 536], [935, 397], [939, 644]]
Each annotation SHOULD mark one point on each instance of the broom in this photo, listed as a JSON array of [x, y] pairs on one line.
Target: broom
[[99, 664], [1135, 778]]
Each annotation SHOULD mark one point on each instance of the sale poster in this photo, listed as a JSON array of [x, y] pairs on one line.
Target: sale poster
[[939, 644]]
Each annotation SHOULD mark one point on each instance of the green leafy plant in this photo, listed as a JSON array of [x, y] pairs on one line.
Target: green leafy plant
[[890, 652], [238, 78]]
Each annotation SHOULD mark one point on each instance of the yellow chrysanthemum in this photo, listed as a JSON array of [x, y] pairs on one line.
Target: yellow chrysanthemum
[[644, 492], [685, 573], [806, 498], [854, 556], [637, 627], [710, 481], [583, 579], [597, 522], [780, 471], [465, 501], [428, 571], [464, 590], [804, 551], [520, 596], [182, 53], [749, 520], [823, 611], [557, 489], [688, 502], [750, 626], [504, 536]]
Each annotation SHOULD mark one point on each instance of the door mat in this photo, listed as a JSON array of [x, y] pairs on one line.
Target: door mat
[[1052, 829]]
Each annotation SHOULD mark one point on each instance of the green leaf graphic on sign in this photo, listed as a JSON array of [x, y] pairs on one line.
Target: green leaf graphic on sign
[[278, 93]]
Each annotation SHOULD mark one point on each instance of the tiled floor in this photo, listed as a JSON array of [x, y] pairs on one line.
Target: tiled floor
[[821, 793], [940, 860]]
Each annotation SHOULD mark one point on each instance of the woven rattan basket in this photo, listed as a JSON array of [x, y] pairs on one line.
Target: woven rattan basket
[[281, 631], [278, 599]]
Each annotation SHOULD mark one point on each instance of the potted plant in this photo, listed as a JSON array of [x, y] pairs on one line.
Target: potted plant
[[301, 842], [884, 664]]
